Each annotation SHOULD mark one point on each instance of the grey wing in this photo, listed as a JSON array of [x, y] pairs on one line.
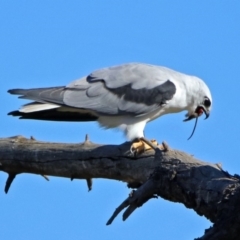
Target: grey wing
[[134, 89]]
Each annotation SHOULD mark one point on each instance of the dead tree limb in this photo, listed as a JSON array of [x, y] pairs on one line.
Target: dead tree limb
[[167, 173]]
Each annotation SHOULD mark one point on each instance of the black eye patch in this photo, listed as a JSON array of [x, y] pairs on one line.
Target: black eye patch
[[207, 102]]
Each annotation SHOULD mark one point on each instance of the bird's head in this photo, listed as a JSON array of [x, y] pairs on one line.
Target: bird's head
[[202, 103], [199, 109]]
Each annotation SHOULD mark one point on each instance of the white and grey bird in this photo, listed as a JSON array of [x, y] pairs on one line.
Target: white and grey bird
[[126, 96]]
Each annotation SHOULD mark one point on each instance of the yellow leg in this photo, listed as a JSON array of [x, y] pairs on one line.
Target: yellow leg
[[141, 145]]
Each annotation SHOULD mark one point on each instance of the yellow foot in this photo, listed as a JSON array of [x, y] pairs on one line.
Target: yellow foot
[[139, 146]]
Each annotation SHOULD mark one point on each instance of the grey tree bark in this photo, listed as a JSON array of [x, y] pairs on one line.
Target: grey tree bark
[[171, 174]]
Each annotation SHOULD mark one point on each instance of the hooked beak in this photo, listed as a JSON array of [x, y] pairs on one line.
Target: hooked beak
[[198, 112], [207, 113]]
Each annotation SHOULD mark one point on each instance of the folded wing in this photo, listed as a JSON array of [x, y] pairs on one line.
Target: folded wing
[[131, 89]]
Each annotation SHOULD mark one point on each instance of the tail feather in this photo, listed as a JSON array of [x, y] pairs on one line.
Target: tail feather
[[36, 106], [48, 105], [43, 95], [55, 115]]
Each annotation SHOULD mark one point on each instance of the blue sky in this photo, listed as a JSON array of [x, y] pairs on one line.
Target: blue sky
[[50, 43]]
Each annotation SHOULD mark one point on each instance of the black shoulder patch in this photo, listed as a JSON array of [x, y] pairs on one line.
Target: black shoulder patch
[[157, 95]]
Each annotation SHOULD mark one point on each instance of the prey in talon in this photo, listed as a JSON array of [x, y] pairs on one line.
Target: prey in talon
[[126, 96]]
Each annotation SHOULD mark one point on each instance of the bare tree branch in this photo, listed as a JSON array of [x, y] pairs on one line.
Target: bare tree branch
[[167, 173]]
